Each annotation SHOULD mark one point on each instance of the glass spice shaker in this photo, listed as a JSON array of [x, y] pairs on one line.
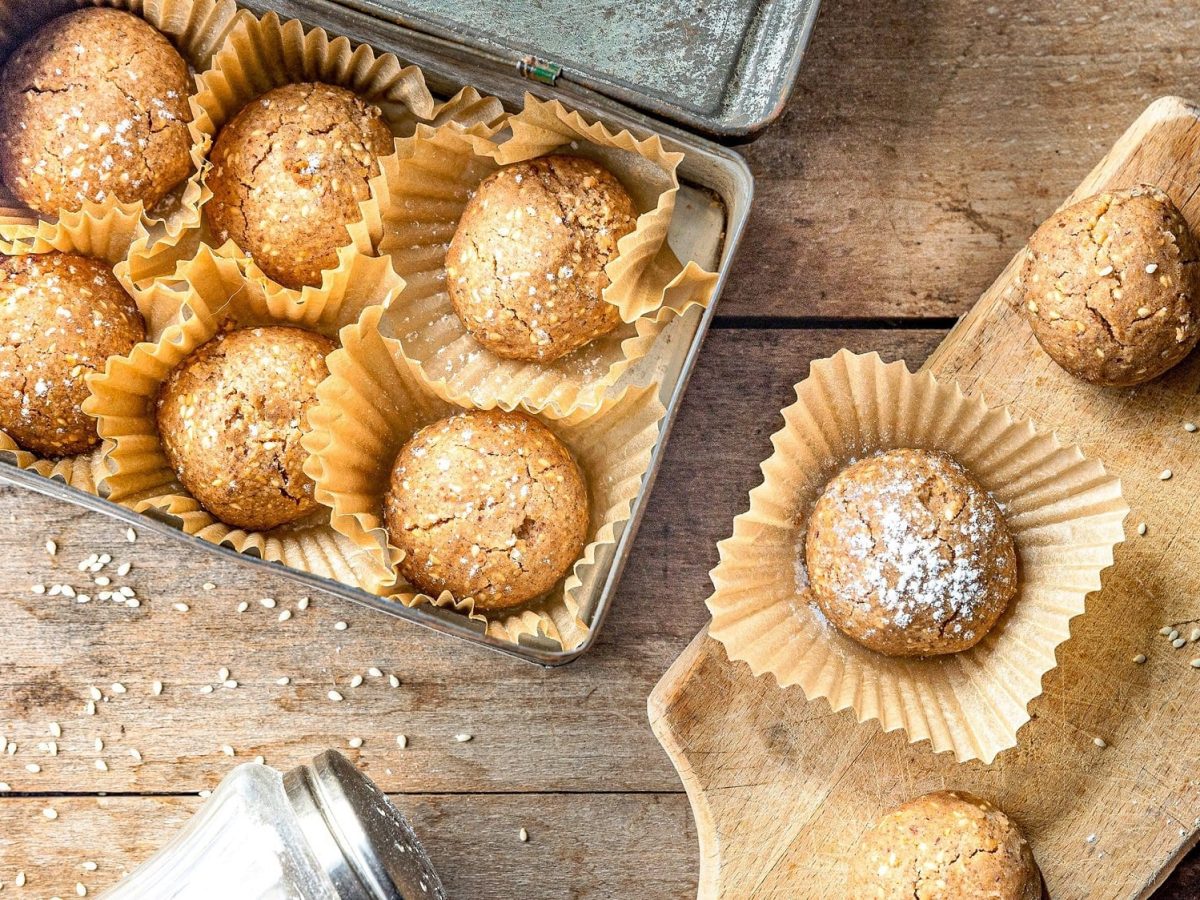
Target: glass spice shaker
[[321, 831]]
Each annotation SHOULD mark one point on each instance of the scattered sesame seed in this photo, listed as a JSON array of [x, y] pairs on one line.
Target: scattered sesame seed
[[222, 673], [1189, 427], [340, 626], [1099, 742], [55, 730], [101, 765], [1165, 475], [19, 881], [402, 740], [284, 681], [1091, 838], [39, 589], [136, 754], [130, 535], [1195, 635], [285, 615], [80, 890], [89, 708], [207, 689], [1178, 642], [230, 683], [181, 607], [1141, 528], [5, 787], [1165, 630], [1151, 268], [523, 835], [374, 672], [1195, 663], [1173, 634], [118, 688], [260, 759], [133, 603], [355, 743], [1140, 658], [123, 569], [394, 681], [156, 688], [227, 750], [463, 738], [268, 602], [89, 866], [208, 585], [356, 680], [204, 794], [33, 768], [243, 606], [99, 744], [335, 696], [50, 813], [52, 548], [302, 603]]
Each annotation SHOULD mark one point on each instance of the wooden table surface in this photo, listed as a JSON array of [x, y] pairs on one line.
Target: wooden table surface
[[923, 144]]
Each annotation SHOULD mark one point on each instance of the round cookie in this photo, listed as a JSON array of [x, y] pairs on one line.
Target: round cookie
[[288, 173], [525, 270], [231, 416], [93, 107], [488, 505], [1111, 287], [909, 556], [61, 317], [944, 846]]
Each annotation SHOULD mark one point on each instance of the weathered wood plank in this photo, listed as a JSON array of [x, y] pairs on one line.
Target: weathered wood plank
[[925, 141], [580, 845]]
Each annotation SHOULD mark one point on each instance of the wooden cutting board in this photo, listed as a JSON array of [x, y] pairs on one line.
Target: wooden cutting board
[[783, 789]]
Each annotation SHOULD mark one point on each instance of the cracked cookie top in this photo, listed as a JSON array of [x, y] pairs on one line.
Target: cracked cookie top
[[909, 556], [525, 270], [61, 317], [93, 106], [1111, 287], [488, 505], [288, 173], [231, 416], [944, 846]]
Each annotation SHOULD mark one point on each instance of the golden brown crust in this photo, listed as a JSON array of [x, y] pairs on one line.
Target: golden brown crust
[[1111, 287], [525, 270], [488, 505], [288, 174], [231, 416], [947, 845], [92, 107], [61, 317], [909, 556]]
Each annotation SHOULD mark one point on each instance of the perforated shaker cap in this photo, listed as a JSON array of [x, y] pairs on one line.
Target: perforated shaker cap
[[364, 843]]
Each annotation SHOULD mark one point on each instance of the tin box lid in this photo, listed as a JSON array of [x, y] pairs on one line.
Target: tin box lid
[[723, 68]]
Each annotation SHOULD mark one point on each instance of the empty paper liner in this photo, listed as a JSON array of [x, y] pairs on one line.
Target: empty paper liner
[[420, 196], [1065, 514], [375, 399], [219, 296], [104, 235]]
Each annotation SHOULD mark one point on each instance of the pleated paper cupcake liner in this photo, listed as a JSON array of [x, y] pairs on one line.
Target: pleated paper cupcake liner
[[1064, 511], [218, 295], [260, 54], [421, 194], [104, 235], [376, 398], [196, 28]]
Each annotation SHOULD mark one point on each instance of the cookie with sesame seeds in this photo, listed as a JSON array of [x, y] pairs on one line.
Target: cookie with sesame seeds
[[488, 505], [525, 270], [94, 107], [61, 317], [288, 173], [909, 556], [944, 845], [1111, 287], [231, 417]]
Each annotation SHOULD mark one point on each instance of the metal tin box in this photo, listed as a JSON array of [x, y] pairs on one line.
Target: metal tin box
[[711, 212]]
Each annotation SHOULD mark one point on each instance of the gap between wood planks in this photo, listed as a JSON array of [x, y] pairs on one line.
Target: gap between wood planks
[[832, 323]]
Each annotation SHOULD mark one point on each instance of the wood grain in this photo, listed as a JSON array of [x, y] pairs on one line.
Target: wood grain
[[926, 140], [784, 789]]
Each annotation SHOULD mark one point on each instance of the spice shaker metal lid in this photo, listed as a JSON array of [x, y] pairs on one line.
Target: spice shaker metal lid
[[365, 845]]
